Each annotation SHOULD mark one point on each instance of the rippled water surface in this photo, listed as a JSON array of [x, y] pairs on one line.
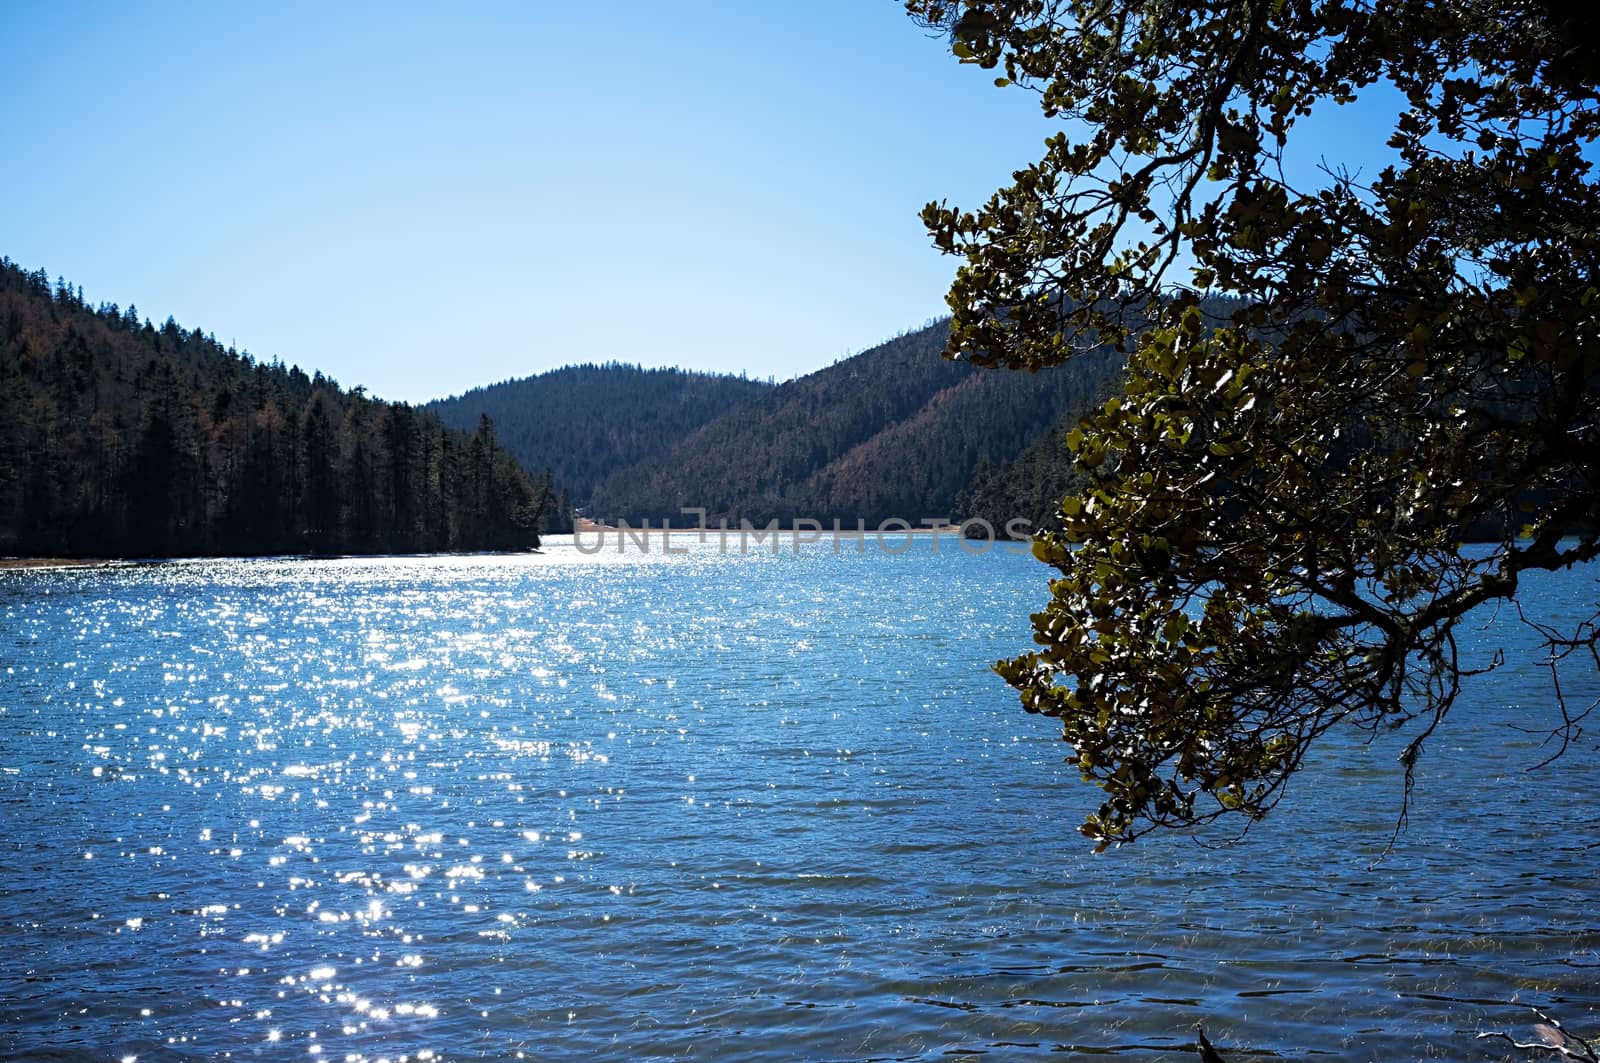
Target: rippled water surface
[[708, 806]]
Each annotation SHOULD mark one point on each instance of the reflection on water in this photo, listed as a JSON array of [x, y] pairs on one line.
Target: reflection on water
[[707, 806]]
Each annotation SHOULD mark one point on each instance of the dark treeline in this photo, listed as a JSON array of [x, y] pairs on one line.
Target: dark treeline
[[895, 431], [588, 421], [119, 438]]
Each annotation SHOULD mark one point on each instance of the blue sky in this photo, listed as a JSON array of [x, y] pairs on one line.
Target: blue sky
[[423, 199]]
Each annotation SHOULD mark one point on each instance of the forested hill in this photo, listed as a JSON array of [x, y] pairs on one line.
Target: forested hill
[[585, 422], [119, 438], [1030, 486], [896, 431]]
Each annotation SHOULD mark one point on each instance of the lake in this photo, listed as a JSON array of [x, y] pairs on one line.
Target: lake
[[708, 805]]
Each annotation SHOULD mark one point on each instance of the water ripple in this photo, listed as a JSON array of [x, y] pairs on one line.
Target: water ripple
[[649, 807]]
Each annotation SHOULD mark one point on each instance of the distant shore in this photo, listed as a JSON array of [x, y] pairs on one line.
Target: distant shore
[[53, 562], [583, 526]]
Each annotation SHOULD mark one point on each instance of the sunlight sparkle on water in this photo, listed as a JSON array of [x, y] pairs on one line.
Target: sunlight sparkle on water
[[353, 801]]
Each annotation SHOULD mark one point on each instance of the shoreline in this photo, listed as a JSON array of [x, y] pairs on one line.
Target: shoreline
[[607, 533], [26, 563], [586, 527]]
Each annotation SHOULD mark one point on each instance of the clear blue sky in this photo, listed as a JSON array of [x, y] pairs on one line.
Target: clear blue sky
[[423, 199]]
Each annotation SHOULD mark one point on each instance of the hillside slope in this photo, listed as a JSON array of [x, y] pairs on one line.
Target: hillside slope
[[118, 439], [895, 431], [585, 422]]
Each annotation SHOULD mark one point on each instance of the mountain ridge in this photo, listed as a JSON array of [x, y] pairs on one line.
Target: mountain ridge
[[118, 438], [895, 430], [583, 421]]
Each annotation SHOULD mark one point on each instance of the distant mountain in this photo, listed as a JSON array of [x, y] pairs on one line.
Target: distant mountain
[[119, 439], [585, 422], [896, 431]]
